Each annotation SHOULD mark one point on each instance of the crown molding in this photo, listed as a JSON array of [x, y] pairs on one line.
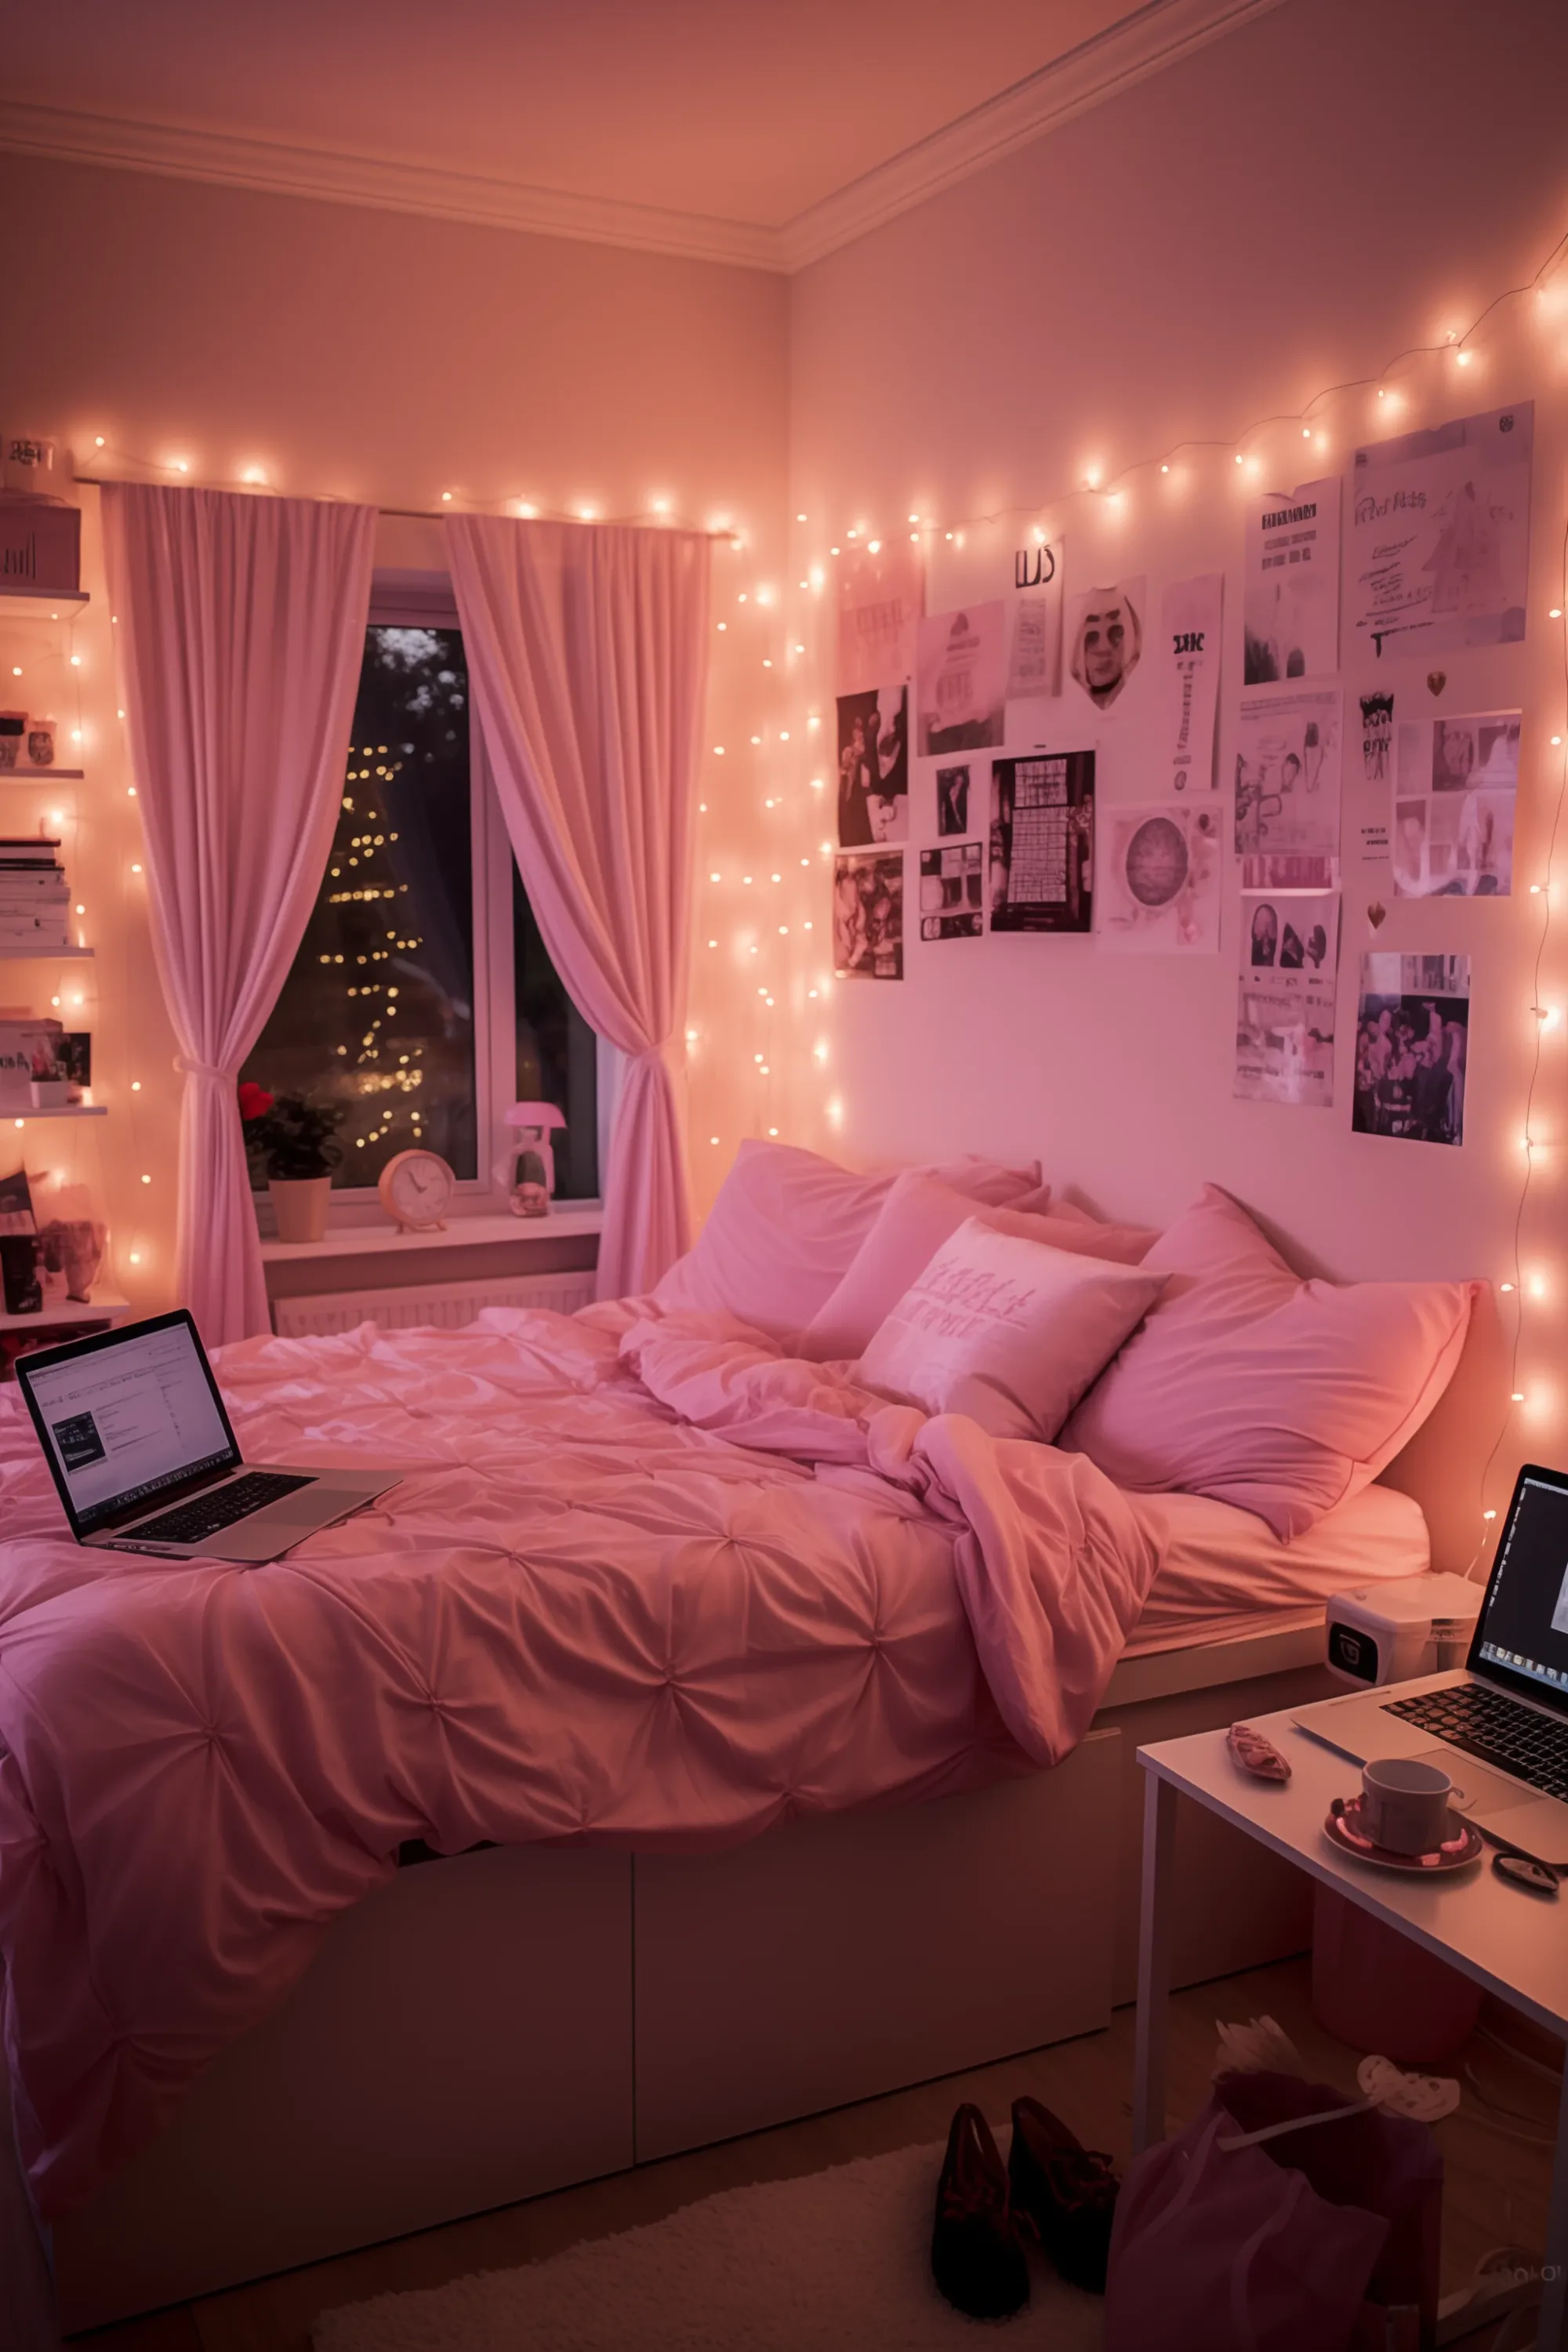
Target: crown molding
[[1144, 42], [173, 152]]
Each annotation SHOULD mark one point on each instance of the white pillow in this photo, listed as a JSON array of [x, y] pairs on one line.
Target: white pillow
[[1009, 1331]]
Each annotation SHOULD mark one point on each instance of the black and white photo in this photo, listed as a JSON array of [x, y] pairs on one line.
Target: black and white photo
[[1042, 843], [951, 801], [868, 915], [951, 892], [1106, 640], [873, 767]]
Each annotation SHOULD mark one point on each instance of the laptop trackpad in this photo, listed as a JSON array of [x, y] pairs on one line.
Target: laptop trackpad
[[1477, 1790]]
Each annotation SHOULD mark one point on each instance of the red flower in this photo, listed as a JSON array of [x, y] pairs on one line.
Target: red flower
[[254, 1101]]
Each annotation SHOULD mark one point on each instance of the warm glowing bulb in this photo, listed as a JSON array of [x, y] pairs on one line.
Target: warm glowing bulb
[[135, 1257], [1238, 457], [661, 505], [1164, 469], [1306, 432], [1464, 359], [98, 441], [136, 869], [718, 750], [135, 1085], [75, 661], [1489, 1515], [146, 1179], [800, 518]]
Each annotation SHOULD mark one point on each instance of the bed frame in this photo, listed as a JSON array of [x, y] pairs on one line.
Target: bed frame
[[508, 2021]]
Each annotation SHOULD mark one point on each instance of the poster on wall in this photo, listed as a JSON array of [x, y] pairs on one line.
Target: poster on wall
[[1290, 930], [1290, 615], [1453, 791], [1191, 613], [881, 596], [1440, 535], [873, 766], [1285, 1039], [1412, 1047], [868, 915], [1376, 737], [953, 902], [1158, 879], [1106, 640], [1042, 843], [1035, 630], [1287, 790], [962, 678], [951, 800]]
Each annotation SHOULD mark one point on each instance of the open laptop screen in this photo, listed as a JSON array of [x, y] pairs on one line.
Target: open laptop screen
[[125, 1415], [1522, 1635]]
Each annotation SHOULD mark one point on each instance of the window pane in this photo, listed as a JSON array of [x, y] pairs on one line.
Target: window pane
[[378, 1011], [557, 1055]]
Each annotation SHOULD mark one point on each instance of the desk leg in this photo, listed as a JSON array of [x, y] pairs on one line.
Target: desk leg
[[1154, 1962], [1553, 2336]]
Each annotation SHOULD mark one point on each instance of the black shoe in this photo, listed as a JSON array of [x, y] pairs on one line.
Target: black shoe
[[975, 2257], [1067, 2192]]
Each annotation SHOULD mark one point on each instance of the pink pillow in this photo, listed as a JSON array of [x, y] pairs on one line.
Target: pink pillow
[[1006, 1331], [1282, 1396], [785, 1227], [918, 1215]]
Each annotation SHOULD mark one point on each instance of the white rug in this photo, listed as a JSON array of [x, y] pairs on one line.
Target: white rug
[[838, 2262]]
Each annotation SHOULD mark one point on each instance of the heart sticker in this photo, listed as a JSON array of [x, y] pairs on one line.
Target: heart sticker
[[1375, 913], [1436, 679]]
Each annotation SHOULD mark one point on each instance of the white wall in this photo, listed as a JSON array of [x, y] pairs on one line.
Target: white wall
[[1282, 213]]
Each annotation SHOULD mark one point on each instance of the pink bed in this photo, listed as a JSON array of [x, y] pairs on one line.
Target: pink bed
[[644, 1583]]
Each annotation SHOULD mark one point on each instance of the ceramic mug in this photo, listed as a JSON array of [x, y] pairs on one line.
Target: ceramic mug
[[1405, 1803]]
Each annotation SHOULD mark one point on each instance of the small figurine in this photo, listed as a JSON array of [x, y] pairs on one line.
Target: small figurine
[[533, 1169], [1257, 1755]]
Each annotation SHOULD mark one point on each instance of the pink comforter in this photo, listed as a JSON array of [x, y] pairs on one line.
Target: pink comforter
[[647, 1583]]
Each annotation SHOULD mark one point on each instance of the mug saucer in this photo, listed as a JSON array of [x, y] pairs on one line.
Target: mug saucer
[[1462, 1845]]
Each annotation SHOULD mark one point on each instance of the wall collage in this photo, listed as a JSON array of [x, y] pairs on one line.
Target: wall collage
[[979, 727]]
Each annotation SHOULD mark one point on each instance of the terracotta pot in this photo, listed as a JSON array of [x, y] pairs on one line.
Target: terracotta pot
[[299, 1205]]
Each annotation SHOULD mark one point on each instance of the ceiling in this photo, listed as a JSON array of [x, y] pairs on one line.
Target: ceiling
[[755, 130]]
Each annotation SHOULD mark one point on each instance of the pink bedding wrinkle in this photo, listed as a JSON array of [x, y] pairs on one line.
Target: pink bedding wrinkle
[[647, 1581]]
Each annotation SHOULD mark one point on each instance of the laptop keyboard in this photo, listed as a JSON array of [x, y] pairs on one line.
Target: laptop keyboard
[[193, 1522], [1487, 1724]]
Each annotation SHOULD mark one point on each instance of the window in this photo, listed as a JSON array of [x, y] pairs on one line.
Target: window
[[422, 999]]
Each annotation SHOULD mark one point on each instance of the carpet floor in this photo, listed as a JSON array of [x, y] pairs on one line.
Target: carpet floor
[[836, 2262]]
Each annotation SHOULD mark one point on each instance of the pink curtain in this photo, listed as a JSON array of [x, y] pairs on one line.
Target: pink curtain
[[241, 629], [587, 650]]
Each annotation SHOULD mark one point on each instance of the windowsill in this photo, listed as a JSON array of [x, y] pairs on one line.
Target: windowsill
[[484, 1232]]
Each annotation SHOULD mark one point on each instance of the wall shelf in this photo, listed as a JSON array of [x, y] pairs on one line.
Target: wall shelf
[[108, 1307], [19, 1113], [31, 775], [53, 597], [44, 955]]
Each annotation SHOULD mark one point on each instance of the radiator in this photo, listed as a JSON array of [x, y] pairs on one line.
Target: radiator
[[445, 1304]]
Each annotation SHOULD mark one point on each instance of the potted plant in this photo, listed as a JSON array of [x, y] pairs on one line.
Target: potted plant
[[292, 1138]]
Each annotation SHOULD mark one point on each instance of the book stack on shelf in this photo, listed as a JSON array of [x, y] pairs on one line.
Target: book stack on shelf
[[35, 900]]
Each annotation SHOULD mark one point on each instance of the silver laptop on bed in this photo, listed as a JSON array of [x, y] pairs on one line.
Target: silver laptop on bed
[[141, 1450], [1501, 1726]]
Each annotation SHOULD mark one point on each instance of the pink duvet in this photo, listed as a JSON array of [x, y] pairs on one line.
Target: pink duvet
[[643, 1583]]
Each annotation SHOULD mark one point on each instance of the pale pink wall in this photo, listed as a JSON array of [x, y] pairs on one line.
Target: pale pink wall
[[377, 357], [1282, 212]]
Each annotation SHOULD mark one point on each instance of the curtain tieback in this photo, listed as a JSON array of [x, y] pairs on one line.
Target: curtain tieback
[[193, 1069]]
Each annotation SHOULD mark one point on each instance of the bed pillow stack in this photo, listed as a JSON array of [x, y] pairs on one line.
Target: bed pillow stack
[[787, 1223], [1005, 1328], [918, 1215], [1247, 1383]]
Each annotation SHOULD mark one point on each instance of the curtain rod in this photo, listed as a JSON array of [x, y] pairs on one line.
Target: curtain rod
[[401, 514]]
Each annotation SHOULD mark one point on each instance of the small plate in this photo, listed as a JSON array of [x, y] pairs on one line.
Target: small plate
[[1462, 1846]]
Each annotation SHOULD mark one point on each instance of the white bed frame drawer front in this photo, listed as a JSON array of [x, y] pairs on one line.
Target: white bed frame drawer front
[[847, 1956]]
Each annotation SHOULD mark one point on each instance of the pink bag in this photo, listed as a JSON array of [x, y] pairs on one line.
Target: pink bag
[[1216, 2250]]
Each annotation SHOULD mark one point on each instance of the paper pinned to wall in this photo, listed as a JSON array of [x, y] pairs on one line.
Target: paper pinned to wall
[[1291, 618], [1192, 613], [1440, 535], [1412, 1052], [881, 596], [952, 896], [1157, 870], [873, 766], [868, 915], [1453, 806], [1042, 843], [1291, 930], [1034, 622], [952, 800], [1285, 1040], [1287, 790], [962, 675], [1106, 639]]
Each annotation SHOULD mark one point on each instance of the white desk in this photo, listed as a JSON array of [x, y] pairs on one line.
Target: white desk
[[1514, 1944]]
